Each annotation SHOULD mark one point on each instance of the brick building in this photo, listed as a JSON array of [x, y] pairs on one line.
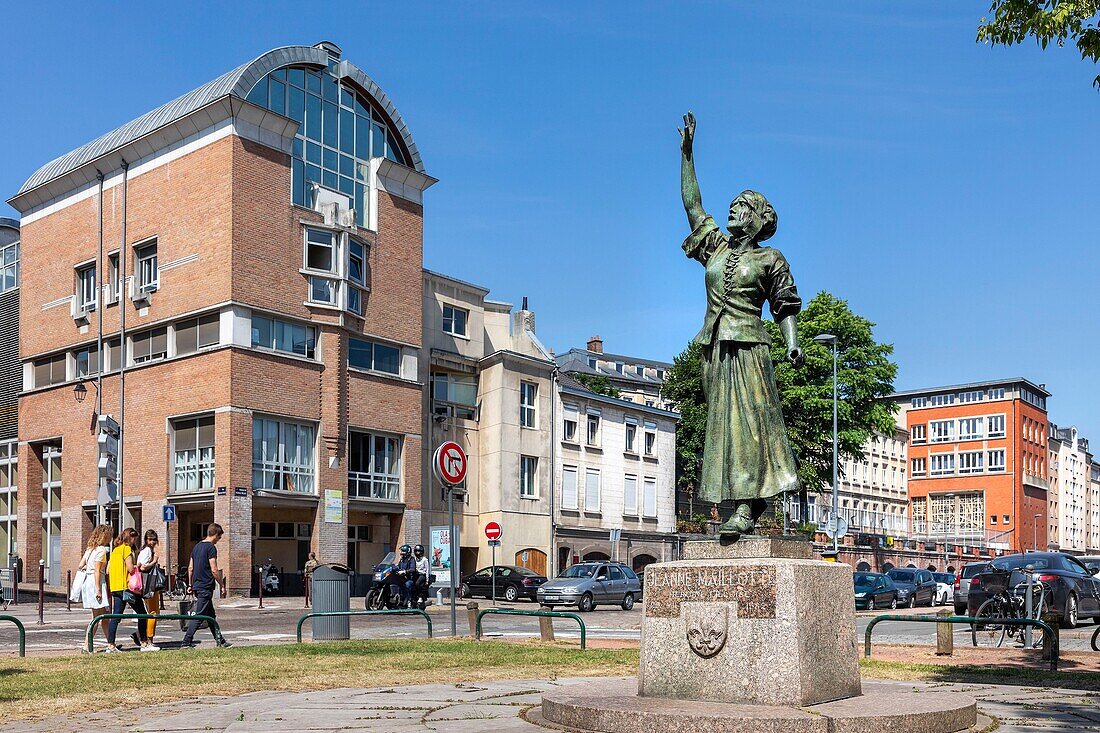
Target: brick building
[[256, 300], [10, 385], [977, 465]]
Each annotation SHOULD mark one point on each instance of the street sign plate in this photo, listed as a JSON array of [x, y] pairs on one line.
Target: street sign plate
[[493, 531], [494, 543], [168, 512], [108, 424], [449, 463], [836, 527]]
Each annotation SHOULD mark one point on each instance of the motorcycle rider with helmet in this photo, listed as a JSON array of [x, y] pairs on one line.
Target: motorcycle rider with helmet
[[406, 575], [423, 574]]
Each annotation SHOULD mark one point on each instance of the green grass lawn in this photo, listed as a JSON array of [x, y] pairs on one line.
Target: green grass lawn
[[981, 674], [39, 687]]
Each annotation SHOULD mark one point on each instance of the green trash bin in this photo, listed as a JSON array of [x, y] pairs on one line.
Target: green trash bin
[[331, 592]]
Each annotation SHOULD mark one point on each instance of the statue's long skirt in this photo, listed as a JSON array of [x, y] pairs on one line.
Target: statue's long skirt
[[746, 454]]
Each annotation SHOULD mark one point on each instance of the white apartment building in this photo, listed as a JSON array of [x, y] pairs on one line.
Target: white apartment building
[[1094, 501], [637, 380], [616, 473], [1072, 507], [873, 495], [491, 392]]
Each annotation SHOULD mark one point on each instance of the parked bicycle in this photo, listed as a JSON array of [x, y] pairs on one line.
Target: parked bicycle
[[1006, 605]]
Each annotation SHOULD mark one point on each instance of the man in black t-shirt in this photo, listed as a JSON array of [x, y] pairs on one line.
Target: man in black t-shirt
[[203, 575]]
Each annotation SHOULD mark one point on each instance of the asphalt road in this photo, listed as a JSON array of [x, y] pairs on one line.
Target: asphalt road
[[245, 624]]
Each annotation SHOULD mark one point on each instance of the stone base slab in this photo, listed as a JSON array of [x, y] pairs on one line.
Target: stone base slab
[[615, 706], [749, 546]]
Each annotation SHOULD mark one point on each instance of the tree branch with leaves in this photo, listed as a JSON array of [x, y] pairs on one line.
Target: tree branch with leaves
[[1047, 21]]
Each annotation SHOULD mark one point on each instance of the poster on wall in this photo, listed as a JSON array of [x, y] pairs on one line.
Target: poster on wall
[[334, 506], [441, 555]]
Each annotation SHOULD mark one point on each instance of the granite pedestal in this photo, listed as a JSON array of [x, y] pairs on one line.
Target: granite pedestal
[[755, 622], [751, 637]]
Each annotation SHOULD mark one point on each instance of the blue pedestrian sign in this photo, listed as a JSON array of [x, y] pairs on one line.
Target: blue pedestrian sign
[[169, 512]]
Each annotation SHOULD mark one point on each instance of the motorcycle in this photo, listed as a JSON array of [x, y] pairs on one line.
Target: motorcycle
[[420, 591], [383, 586], [269, 577]]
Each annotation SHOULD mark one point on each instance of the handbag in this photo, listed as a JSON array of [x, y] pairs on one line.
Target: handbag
[[76, 592], [134, 584], [154, 580]]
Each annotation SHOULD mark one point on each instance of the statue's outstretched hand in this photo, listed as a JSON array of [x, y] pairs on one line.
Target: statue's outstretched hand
[[795, 357], [687, 133]]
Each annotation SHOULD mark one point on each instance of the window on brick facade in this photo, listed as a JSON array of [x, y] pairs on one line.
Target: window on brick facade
[[996, 425], [283, 455], [374, 356], [920, 466], [943, 464], [918, 434], [198, 333], [146, 269], [374, 466], [86, 299], [193, 458], [149, 346], [996, 459], [277, 335], [942, 430], [455, 320], [50, 370], [970, 428], [87, 361], [114, 276]]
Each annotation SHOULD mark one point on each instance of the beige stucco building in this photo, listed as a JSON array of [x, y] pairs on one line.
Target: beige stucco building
[[873, 493], [1072, 506]]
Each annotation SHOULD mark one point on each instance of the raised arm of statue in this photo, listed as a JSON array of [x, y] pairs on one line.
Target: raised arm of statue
[[689, 184]]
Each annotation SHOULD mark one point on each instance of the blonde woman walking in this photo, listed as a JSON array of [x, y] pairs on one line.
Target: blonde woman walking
[[95, 595]]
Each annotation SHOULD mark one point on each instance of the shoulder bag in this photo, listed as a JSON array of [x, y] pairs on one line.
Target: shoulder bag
[[76, 592]]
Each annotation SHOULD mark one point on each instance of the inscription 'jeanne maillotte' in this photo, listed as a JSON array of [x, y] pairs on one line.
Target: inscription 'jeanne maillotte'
[[751, 588]]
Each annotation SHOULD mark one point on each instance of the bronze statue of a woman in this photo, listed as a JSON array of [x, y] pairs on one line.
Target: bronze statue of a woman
[[746, 456]]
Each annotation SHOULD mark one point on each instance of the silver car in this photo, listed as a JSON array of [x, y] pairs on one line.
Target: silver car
[[590, 584], [962, 589]]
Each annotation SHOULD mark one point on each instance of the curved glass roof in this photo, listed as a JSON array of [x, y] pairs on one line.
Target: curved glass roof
[[237, 83]]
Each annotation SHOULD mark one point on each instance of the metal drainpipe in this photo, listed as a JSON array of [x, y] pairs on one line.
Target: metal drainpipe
[[552, 558], [122, 350], [100, 304]]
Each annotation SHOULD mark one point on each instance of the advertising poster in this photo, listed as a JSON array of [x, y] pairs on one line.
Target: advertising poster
[[334, 506], [441, 556]]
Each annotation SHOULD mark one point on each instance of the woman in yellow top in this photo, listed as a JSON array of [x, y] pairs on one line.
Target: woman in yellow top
[[119, 568]]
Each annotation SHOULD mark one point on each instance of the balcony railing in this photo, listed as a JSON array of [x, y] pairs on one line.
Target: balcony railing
[[362, 485]]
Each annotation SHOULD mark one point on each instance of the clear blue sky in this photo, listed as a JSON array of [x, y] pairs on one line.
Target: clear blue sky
[[947, 190]]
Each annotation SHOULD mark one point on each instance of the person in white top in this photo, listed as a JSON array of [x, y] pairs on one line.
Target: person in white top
[[94, 594], [147, 559], [423, 573]]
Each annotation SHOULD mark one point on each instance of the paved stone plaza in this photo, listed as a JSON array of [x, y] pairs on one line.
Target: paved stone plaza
[[494, 706]]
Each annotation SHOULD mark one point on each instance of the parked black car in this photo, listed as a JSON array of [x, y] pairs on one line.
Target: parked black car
[[1074, 589], [874, 590], [512, 582], [915, 587]]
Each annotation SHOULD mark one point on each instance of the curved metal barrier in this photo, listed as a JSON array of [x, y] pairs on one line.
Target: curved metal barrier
[[1050, 637], [148, 616], [22, 633], [518, 612], [382, 612]]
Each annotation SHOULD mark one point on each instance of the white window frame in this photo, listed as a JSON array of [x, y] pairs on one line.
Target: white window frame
[[9, 266], [971, 461], [999, 421], [919, 434], [198, 466], [570, 416], [649, 497], [86, 296], [630, 436], [592, 506], [528, 404], [146, 266], [937, 435], [373, 484], [978, 425], [919, 467], [592, 437], [995, 466], [649, 439], [946, 464], [630, 495], [528, 477], [464, 333], [333, 246], [566, 471], [280, 467]]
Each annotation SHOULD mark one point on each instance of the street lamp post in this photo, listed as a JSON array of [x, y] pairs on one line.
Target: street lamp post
[[828, 338]]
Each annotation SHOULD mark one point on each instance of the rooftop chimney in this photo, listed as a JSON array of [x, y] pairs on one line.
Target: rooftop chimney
[[595, 344]]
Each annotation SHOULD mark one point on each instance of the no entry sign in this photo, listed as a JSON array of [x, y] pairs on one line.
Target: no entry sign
[[493, 531], [449, 463]]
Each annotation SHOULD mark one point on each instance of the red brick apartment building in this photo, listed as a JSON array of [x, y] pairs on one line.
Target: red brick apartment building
[[262, 238], [978, 465]]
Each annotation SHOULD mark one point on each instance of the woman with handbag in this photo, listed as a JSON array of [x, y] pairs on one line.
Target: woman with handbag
[[153, 582], [91, 583], [124, 580]]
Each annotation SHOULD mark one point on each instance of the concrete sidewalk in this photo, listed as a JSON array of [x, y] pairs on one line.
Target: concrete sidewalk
[[490, 706]]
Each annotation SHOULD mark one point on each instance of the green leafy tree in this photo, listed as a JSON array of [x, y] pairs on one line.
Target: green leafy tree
[[1014, 21], [865, 374], [595, 383]]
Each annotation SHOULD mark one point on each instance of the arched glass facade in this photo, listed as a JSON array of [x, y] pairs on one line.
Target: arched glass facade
[[339, 132]]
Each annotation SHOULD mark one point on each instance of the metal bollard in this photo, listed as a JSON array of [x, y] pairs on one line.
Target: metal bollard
[[945, 637], [471, 613], [546, 625], [41, 590], [69, 592], [260, 586]]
